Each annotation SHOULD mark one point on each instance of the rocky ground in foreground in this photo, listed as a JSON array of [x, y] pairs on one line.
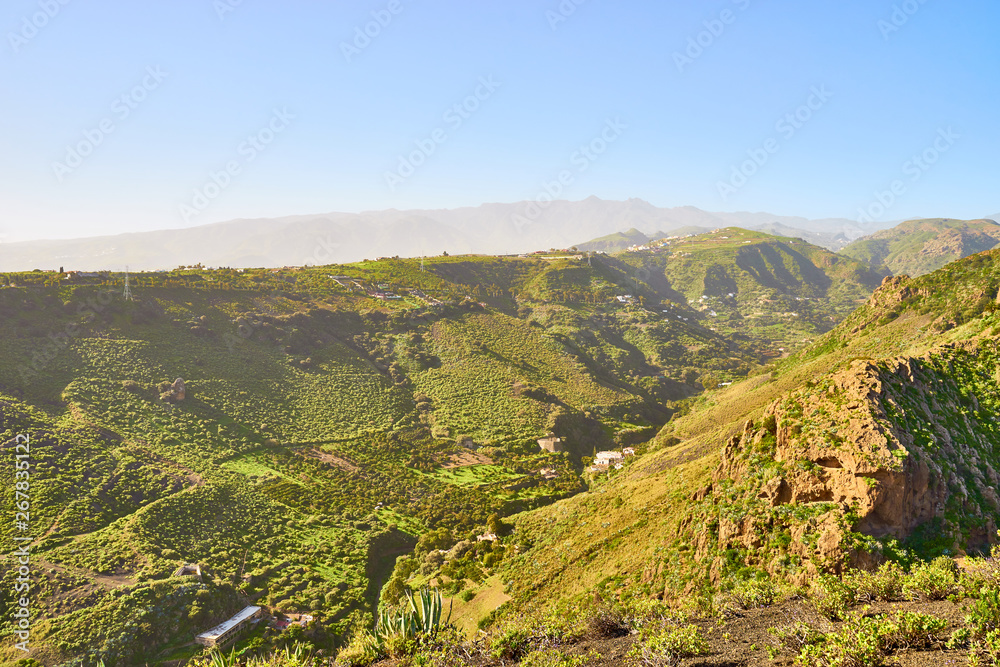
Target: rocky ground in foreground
[[744, 638]]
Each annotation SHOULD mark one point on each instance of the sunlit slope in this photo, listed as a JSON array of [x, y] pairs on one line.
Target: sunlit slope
[[750, 283], [877, 441], [917, 247]]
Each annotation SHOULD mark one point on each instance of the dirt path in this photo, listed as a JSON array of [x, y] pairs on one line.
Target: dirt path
[[466, 459], [108, 581], [326, 457]]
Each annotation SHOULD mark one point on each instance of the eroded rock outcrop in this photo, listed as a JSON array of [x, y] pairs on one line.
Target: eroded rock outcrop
[[876, 449]]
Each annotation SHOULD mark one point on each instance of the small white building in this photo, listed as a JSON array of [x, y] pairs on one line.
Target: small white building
[[608, 458], [227, 631]]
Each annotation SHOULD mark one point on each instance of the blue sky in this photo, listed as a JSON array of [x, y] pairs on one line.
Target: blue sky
[[219, 109]]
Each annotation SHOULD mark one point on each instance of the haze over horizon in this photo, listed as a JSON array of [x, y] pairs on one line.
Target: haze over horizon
[[166, 117]]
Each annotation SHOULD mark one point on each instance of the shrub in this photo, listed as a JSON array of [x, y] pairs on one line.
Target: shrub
[[932, 581], [912, 630], [638, 611], [360, 651], [865, 641], [796, 637], [885, 585], [666, 645], [605, 623], [555, 658], [832, 597], [857, 644], [447, 648], [984, 614], [754, 594], [509, 644], [986, 651]]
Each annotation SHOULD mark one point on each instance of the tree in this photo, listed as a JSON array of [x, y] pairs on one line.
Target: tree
[[393, 591], [494, 524]]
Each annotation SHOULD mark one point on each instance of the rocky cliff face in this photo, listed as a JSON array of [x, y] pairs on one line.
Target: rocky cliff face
[[874, 450]]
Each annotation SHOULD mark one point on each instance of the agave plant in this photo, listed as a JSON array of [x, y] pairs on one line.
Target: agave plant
[[422, 615], [298, 655], [428, 616], [220, 659]]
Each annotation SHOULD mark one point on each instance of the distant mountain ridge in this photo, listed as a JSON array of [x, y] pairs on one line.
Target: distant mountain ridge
[[917, 247], [622, 240], [345, 237]]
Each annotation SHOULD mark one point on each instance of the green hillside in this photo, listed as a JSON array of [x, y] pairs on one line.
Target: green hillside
[[342, 428], [326, 423], [920, 246], [615, 242], [876, 442], [775, 289]]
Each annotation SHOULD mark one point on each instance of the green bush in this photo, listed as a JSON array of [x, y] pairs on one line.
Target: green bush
[[866, 641], [754, 594], [795, 637], [986, 652], [984, 614], [932, 581], [666, 645], [884, 585], [556, 658], [509, 644], [832, 596]]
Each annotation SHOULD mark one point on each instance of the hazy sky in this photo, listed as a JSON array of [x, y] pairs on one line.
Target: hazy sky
[[128, 116]]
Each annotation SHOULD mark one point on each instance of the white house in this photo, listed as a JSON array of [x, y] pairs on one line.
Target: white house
[[608, 458]]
